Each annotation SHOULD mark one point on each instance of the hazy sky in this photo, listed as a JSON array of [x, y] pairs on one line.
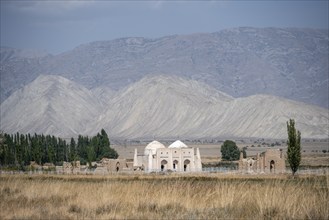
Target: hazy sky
[[61, 25]]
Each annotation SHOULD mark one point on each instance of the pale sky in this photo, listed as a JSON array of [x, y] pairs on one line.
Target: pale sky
[[57, 26]]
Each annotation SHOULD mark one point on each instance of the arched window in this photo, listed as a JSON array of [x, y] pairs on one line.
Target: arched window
[[175, 165], [164, 165], [117, 166], [272, 165], [187, 165]]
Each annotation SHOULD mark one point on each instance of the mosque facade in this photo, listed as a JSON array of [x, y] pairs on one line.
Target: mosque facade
[[177, 157]]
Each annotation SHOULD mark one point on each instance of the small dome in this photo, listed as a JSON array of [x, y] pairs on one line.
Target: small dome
[[178, 144], [153, 146]]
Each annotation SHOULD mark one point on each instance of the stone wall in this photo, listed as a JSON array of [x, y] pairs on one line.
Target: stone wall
[[270, 161], [113, 165], [71, 167]]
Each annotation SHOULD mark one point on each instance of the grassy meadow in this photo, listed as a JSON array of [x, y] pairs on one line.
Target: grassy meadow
[[137, 196]]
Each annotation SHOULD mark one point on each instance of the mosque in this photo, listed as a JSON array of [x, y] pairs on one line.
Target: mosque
[[176, 157]]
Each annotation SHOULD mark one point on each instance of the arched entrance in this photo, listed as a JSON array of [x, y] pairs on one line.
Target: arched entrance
[[272, 166], [187, 165], [175, 165], [164, 165], [117, 167]]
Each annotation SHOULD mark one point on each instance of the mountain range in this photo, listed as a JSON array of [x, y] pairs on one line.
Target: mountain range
[[285, 62], [154, 107]]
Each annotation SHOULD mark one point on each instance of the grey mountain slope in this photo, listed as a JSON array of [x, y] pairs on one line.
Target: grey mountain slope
[[50, 105], [156, 106], [285, 62], [8, 53], [104, 94], [18, 68], [160, 106], [266, 116], [173, 107]]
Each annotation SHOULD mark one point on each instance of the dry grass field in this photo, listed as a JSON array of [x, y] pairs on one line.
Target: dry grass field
[[147, 196]]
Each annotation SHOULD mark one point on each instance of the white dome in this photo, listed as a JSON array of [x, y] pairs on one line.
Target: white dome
[[153, 146], [178, 144]]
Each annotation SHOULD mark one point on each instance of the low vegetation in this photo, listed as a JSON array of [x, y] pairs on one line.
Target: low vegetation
[[172, 196]]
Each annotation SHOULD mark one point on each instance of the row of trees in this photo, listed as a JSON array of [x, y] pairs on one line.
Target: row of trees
[[17, 150]]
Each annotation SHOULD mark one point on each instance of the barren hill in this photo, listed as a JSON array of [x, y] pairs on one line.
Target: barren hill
[[156, 106], [51, 105]]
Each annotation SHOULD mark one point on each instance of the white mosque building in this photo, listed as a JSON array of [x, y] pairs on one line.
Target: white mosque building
[[177, 157]]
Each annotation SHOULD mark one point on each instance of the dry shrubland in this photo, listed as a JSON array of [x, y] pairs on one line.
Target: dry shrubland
[[210, 196]]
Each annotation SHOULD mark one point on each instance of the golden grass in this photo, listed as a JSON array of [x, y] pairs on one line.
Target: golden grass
[[204, 196], [315, 160]]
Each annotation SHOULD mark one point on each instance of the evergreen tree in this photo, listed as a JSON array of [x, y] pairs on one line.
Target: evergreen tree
[[60, 150], [9, 150], [107, 151], [90, 155], [2, 149], [73, 151], [83, 142], [50, 149], [24, 150], [294, 148], [105, 139], [96, 145], [36, 149]]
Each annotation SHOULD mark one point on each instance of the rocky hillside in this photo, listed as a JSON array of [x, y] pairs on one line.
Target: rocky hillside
[[290, 63], [50, 105], [156, 106]]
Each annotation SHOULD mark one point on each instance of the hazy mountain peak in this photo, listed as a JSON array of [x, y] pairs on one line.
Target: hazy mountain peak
[[175, 85], [8, 53], [285, 62], [51, 79]]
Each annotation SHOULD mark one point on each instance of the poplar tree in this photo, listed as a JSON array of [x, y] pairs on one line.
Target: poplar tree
[[2, 149], [294, 150], [73, 151]]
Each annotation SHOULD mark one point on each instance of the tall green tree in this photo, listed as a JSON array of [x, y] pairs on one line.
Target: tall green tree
[[3, 149], [73, 151], [106, 150], [82, 145], [9, 150], [91, 156], [230, 151], [294, 148]]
